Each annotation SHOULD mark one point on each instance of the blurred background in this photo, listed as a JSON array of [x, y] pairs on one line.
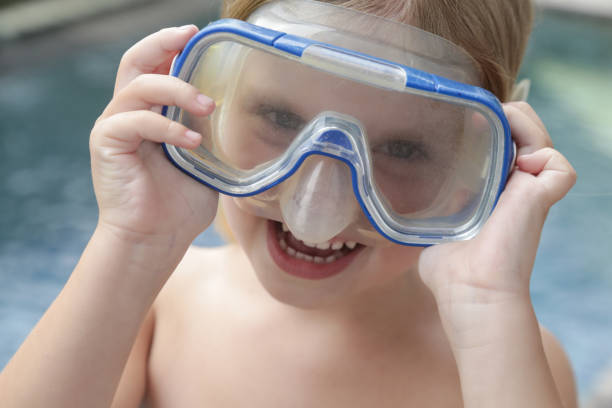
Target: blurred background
[[57, 65]]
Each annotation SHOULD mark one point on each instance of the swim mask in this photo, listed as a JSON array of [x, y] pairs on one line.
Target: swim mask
[[333, 120]]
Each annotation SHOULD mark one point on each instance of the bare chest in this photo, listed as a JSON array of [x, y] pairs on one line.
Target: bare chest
[[246, 365]]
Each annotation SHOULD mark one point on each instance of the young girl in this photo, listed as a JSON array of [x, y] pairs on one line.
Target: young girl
[[147, 318]]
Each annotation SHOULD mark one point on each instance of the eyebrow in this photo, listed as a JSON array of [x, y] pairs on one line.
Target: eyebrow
[[254, 95]]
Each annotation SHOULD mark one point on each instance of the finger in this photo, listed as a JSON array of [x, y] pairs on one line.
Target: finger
[[554, 173], [542, 179], [124, 132], [527, 133], [528, 110], [153, 54], [151, 90]]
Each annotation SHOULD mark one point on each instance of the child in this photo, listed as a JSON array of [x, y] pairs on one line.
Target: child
[[144, 317]]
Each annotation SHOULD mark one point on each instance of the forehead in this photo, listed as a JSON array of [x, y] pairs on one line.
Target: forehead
[[270, 72], [307, 91]]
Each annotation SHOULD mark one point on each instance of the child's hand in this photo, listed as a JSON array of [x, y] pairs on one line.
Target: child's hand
[[141, 196], [481, 286], [495, 267]]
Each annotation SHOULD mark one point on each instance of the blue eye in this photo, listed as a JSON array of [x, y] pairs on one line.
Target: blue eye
[[403, 150], [281, 118]]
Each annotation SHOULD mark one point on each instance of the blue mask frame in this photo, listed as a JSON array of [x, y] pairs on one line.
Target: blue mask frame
[[341, 142]]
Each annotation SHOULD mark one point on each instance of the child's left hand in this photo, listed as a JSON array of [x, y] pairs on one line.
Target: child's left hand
[[481, 286]]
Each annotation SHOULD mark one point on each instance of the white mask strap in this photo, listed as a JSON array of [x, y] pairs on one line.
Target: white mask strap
[[520, 91]]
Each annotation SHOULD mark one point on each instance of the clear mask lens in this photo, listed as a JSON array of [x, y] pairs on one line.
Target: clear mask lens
[[330, 132]]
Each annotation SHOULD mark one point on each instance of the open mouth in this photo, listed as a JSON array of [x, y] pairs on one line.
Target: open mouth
[[309, 260]]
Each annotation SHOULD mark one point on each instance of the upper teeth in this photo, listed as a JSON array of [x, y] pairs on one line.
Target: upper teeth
[[326, 245]]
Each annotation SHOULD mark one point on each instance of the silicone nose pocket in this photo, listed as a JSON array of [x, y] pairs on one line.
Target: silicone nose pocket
[[317, 203]]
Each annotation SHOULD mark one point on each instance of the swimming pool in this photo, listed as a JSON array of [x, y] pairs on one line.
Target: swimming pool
[[570, 64], [48, 210]]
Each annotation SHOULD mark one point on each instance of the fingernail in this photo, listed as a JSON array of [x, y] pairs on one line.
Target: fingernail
[[193, 136], [204, 101], [186, 27]]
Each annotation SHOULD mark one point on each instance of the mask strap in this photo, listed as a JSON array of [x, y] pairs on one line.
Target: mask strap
[[520, 91]]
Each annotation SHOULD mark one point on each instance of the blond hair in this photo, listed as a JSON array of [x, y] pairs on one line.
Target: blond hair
[[493, 32]]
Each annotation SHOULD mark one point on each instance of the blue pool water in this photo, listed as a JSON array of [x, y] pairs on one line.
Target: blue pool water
[[48, 211], [570, 64]]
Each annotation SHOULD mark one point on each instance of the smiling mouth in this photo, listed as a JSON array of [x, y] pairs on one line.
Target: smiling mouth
[[308, 260], [326, 252]]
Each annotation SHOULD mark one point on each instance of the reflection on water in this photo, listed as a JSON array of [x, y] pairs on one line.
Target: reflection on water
[[48, 209]]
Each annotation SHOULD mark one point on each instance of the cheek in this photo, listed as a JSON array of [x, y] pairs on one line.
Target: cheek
[[244, 226], [399, 259], [388, 264]]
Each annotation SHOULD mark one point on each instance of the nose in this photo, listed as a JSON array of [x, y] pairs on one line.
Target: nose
[[317, 202]]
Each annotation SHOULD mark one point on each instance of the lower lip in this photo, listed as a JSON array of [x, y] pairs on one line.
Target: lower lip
[[304, 269]]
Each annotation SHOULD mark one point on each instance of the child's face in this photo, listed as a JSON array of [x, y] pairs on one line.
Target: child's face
[[269, 105], [420, 163]]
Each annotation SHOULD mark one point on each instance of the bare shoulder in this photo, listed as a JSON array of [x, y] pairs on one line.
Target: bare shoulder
[[201, 278], [561, 368], [161, 323], [197, 271]]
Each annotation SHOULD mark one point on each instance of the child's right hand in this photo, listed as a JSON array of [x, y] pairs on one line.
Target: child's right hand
[[142, 197]]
